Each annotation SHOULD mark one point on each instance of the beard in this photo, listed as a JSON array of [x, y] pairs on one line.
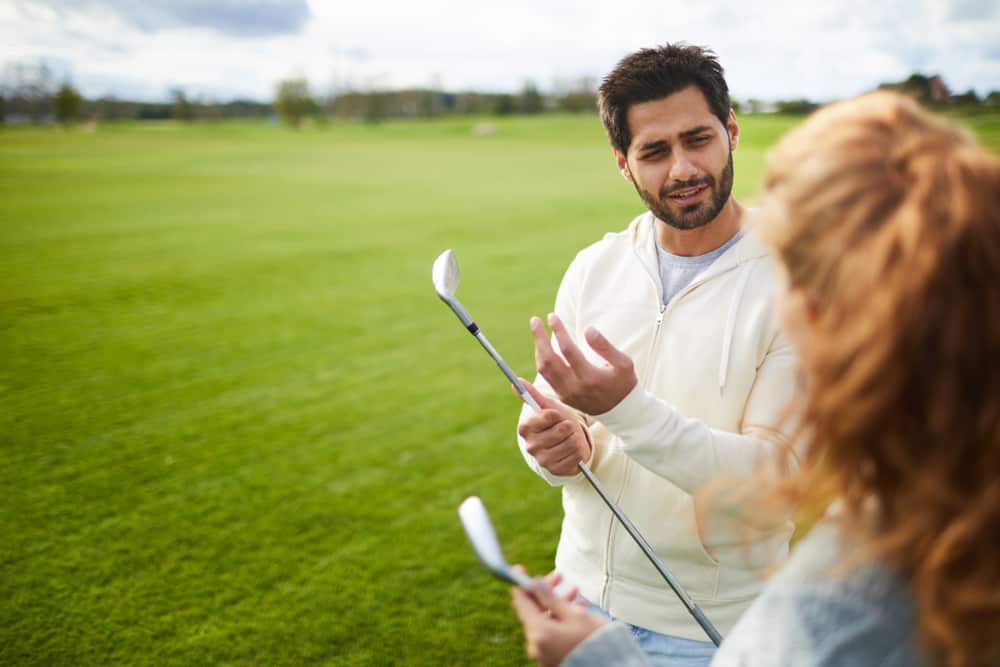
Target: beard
[[696, 215]]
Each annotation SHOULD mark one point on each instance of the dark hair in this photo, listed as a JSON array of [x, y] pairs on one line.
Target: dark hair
[[652, 74]]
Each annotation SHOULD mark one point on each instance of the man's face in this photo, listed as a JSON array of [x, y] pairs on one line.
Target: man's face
[[680, 159]]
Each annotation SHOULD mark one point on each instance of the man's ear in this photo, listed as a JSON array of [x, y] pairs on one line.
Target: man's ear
[[733, 129], [622, 163]]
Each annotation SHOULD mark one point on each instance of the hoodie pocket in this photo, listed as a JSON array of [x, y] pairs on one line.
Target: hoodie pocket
[[665, 516], [708, 560]]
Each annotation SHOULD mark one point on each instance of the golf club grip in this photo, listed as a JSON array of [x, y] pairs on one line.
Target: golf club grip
[[668, 576]]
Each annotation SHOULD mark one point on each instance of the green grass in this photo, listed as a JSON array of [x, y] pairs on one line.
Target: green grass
[[236, 420]]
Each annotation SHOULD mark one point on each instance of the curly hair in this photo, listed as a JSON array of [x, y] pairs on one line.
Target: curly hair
[[889, 219]]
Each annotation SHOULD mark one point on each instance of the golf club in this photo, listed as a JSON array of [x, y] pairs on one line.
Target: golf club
[[445, 275], [482, 537]]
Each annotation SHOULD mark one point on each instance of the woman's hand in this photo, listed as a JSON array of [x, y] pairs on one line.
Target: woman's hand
[[553, 626]]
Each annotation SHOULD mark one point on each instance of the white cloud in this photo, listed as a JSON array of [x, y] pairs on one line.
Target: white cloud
[[770, 49]]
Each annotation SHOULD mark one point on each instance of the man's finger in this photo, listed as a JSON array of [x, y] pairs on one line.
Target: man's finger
[[544, 402], [603, 347], [550, 365], [566, 463], [567, 347]]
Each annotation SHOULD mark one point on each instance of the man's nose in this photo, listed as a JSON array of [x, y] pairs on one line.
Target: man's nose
[[683, 169]]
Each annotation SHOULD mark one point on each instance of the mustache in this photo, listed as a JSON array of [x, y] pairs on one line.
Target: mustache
[[683, 185]]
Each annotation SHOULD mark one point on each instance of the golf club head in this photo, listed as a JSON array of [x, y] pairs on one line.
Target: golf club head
[[445, 276], [483, 539]]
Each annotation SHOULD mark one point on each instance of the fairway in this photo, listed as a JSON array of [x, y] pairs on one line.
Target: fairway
[[237, 421]]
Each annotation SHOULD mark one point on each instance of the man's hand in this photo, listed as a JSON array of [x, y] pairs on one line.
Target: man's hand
[[577, 382], [553, 626], [555, 437]]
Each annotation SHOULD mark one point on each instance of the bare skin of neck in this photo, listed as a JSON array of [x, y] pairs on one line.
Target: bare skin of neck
[[704, 239]]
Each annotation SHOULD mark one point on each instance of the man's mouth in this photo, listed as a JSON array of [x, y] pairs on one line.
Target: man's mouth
[[687, 196]]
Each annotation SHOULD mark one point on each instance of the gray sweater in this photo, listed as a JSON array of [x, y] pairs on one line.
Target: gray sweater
[[811, 614]]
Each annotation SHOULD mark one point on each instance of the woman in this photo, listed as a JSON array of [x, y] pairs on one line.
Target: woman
[[886, 223]]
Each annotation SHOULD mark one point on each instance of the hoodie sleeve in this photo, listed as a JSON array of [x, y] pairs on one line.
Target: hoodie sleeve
[[689, 453], [612, 644], [566, 309]]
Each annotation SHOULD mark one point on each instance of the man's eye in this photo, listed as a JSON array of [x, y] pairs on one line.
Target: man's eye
[[699, 140]]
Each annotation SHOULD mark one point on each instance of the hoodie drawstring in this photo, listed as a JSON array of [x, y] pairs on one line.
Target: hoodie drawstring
[[734, 307]]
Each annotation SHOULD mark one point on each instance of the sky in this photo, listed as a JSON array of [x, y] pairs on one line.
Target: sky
[[226, 49]]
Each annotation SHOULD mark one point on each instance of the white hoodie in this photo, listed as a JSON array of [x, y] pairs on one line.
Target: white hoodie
[[715, 377]]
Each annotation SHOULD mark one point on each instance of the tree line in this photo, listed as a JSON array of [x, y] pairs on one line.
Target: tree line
[[30, 96]]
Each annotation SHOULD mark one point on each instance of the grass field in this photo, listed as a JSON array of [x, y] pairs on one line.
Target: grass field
[[236, 421]]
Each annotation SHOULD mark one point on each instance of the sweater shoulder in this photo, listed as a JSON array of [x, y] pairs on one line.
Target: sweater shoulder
[[814, 612], [612, 244]]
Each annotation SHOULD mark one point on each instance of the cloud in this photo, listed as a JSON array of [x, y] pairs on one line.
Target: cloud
[[972, 10], [238, 18], [771, 49]]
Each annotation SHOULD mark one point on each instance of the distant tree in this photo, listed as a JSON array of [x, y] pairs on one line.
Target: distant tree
[[993, 99], [577, 96], [928, 90], [800, 107], [504, 105], [246, 109], [68, 103], [293, 101], [968, 98], [147, 111], [28, 89], [470, 103], [110, 107], [1, 108], [375, 106], [530, 100], [181, 109]]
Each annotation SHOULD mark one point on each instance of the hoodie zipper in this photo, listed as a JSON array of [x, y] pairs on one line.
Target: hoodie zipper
[[613, 527], [662, 309]]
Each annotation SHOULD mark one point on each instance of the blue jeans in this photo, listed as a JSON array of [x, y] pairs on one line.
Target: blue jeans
[[665, 650]]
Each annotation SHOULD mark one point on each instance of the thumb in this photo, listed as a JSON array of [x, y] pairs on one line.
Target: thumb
[[603, 347], [544, 402]]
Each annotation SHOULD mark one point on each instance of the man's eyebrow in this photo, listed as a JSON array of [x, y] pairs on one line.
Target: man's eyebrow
[[687, 134], [650, 145]]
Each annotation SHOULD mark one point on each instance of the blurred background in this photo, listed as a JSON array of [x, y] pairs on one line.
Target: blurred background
[[235, 420]]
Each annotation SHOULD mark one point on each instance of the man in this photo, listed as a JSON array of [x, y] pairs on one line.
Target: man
[[684, 377]]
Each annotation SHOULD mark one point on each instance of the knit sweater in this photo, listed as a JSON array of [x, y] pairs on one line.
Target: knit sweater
[[814, 613]]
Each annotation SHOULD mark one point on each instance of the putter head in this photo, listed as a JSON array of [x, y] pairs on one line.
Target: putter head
[[483, 539], [445, 275]]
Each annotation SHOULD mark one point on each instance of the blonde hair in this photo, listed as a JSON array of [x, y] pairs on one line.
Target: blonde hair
[[888, 218]]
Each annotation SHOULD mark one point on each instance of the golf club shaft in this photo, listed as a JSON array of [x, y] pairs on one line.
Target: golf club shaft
[[664, 571], [505, 369], [627, 524]]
